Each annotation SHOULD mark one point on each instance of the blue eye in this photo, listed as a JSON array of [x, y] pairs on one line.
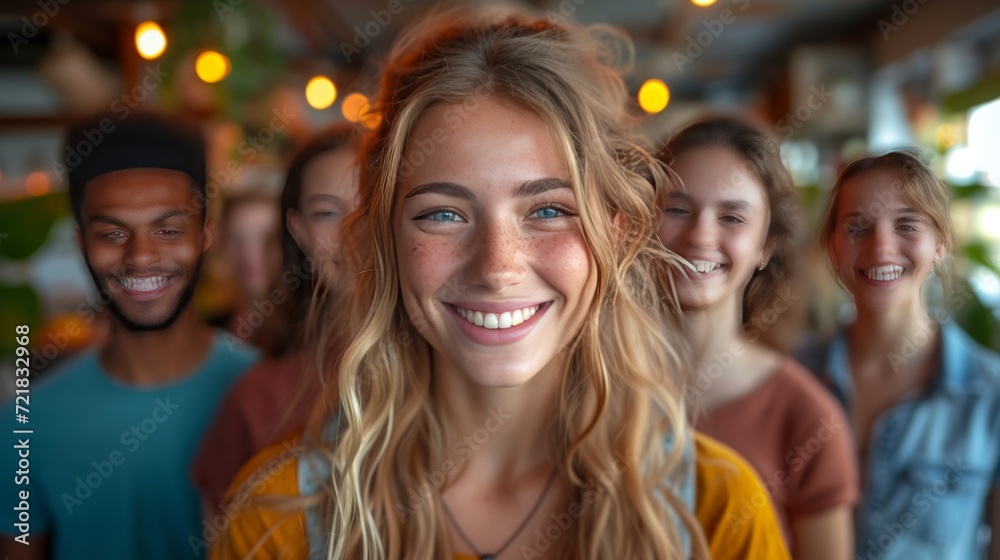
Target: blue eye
[[444, 216], [548, 212]]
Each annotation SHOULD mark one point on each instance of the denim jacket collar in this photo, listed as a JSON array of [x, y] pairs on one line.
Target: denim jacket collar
[[955, 377]]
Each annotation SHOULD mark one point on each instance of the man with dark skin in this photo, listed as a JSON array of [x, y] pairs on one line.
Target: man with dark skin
[[114, 430]]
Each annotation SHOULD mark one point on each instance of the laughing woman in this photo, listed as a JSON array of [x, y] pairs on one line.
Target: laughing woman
[[923, 397], [733, 217], [508, 391]]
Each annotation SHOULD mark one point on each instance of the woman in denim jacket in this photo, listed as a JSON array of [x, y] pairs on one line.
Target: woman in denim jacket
[[923, 397]]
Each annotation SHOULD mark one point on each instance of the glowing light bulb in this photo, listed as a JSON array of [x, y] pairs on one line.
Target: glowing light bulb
[[212, 67], [654, 96], [320, 92], [150, 40]]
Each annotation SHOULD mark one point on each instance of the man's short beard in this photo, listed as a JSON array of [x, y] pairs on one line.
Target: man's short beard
[[182, 303]]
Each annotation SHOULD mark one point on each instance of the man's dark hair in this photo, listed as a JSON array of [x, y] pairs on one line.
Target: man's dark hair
[[106, 143]]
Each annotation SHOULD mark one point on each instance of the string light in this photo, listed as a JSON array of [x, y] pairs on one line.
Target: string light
[[212, 67], [354, 106], [654, 95], [320, 92], [150, 40], [37, 184]]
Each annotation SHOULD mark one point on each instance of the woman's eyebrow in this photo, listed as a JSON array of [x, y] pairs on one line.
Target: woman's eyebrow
[[443, 188], [538, 186], [530, 188]]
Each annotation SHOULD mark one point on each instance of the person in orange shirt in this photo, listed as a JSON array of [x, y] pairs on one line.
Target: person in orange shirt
[[507, 391]]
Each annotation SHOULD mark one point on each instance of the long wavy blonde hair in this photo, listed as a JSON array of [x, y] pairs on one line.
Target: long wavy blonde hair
[[621, 392]]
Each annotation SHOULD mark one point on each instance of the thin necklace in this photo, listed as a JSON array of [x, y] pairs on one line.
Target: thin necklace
[[517, 532]]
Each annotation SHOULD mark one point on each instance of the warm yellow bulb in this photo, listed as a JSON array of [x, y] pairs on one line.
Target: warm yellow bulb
[[654, 96], [320, 92], [150, 40], [212, 67], [371, 119], [354, 106], [37, 184], [703, 3]]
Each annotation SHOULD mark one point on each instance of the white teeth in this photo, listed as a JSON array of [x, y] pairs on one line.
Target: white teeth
[[143, 284], [494, 321], [516, 318], [884, 273], [491, 321], [705, 266]]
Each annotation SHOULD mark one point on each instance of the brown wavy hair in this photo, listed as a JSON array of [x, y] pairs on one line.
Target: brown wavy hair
[[921, 189], [762, 154]]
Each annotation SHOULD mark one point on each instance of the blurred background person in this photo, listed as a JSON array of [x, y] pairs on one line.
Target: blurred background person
[[922, 396], [116, 428], [275, 398], [733, 217], [251, 250]]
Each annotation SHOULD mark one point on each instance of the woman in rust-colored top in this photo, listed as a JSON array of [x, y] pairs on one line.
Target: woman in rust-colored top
[[733, 220]]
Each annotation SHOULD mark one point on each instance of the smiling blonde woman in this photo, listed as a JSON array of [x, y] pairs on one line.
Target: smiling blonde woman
[[509, 391]]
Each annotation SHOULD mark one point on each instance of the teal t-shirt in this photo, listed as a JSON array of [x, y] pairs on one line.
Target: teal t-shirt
[[107, 463]]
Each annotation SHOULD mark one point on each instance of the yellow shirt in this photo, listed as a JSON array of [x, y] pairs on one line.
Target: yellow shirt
[[732, 507]]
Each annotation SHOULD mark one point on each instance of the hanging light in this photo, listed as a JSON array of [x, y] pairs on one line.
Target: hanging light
[[654, 95], [37, 184], [212, 67], [320, 92], [150, 40], [354, 106]]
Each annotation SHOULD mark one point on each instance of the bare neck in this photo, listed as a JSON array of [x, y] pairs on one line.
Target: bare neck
[[500, 433], [727, 364], [886, 340], [155, 357]]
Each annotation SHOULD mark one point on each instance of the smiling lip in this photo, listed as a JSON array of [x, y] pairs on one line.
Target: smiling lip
[[497, 336], [863, 275], [704, 265], [144, 288]]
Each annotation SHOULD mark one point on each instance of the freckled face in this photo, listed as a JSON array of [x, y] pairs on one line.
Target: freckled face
[[718, 223], [493, 268], [882, 248]]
